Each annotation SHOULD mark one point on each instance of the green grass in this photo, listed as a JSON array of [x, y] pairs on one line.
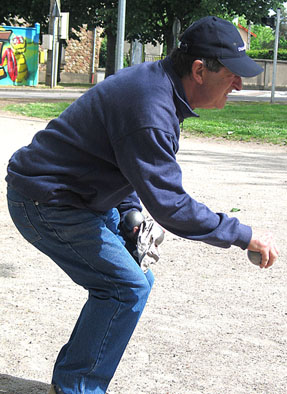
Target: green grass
[[263, 122], [39, 110]]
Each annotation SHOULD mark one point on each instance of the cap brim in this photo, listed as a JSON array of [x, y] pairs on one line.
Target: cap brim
[[243, 66]]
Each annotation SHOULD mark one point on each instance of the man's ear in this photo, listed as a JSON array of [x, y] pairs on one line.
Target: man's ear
[[197, 71]]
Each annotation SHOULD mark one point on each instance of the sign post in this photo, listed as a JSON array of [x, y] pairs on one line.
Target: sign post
[[119, 61], [275, 55], [53, 54]]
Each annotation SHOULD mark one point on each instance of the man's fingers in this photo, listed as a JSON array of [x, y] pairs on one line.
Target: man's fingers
[[269, 256], [273, 255], [266, 246]]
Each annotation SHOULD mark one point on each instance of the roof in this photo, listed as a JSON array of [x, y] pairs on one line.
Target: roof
[[245, 29]]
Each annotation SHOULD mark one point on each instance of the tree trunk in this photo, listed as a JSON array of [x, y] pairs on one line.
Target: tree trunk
[[111, 53], [169, 42]]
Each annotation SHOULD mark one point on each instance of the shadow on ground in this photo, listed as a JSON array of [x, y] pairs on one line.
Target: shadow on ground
[[12, 385]]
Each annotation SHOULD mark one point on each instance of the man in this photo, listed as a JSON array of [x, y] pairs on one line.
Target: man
[[113, 146]]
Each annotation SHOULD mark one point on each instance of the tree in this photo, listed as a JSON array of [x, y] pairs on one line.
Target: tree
[[146, 20], [107, 19], [266, 35], [264, 39], [155, 18], [82, 12], [22, 12], [283, 29]]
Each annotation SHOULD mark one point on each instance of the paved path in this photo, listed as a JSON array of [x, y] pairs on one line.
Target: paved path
[[258, 95], [37, 93], [214, 323]]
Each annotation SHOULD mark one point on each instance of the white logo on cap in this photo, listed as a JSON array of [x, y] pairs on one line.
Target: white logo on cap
[[240, 49]]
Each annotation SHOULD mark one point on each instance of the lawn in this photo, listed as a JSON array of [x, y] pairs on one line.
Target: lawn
[[38, 110], [263, 122]]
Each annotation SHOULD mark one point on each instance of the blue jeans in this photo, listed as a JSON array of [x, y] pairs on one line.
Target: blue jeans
[[88, 247]]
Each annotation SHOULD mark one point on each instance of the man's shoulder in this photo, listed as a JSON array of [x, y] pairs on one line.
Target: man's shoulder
[[144, 75]]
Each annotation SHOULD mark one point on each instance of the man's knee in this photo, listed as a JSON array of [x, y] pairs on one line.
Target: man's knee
[[138, 291]]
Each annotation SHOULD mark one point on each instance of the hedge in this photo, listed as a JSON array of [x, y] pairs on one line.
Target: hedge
[[267, 54]]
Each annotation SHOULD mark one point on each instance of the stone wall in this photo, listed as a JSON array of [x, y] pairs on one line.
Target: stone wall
[[79, 53], [78, 57]]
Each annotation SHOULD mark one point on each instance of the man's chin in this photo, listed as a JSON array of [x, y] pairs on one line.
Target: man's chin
[[222, 103]]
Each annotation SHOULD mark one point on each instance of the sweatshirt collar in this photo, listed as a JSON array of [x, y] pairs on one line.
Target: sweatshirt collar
[[183, 108]]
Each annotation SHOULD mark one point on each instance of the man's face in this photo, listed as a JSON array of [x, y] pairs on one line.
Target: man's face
[[216, 87], [209, 89]]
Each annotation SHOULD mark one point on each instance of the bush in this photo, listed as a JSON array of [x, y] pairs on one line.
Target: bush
[[267, 54], [103, 53]]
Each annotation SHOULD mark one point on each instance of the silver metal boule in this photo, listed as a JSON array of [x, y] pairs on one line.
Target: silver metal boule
[[254, 257]]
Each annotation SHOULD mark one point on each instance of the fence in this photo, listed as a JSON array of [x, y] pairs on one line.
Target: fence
[[264, 80]]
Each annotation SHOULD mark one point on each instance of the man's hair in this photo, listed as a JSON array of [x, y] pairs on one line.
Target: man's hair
[[182, 62]]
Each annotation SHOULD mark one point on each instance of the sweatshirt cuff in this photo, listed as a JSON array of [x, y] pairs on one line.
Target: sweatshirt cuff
[[244, 238]]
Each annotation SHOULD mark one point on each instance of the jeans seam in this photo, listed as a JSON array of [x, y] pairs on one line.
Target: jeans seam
[[104, 341]]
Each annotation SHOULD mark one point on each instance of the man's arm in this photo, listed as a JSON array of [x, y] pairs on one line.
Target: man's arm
[[147, 159]]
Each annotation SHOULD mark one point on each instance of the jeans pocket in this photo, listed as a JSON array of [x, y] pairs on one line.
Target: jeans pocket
[[22, 222]]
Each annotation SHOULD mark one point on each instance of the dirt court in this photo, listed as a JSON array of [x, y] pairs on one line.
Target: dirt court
[[214, 323]]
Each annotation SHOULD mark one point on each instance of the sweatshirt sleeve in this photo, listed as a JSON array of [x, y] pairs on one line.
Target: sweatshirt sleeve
[[147, 159], [130, 203]]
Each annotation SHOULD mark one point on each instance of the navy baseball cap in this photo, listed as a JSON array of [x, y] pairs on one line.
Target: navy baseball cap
[[213, 37]]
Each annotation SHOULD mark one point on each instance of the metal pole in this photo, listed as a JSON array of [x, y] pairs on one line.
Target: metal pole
[[94, 54], [249, 36], [56, 65], [119, 61], [53, 54], [136, 52], [176, 27], [275, 55], [48, 78]]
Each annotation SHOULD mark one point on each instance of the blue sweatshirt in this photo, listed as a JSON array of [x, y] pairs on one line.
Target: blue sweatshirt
[[116, 143]]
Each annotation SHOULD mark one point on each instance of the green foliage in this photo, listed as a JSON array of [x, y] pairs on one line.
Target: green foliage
[[283, 29], [264, 37], [147, 20], [267, 54], [126, 60], [155, 18], [103, 53], [31, 12], [283, 43], [107, 14]]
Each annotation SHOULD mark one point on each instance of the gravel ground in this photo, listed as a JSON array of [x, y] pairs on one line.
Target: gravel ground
[[214, 323]]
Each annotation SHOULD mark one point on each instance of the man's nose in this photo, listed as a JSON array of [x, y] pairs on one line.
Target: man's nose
[[237, 83]]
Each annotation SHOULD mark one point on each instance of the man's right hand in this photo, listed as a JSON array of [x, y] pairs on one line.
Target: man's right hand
[[266, 246], [131, 224]]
